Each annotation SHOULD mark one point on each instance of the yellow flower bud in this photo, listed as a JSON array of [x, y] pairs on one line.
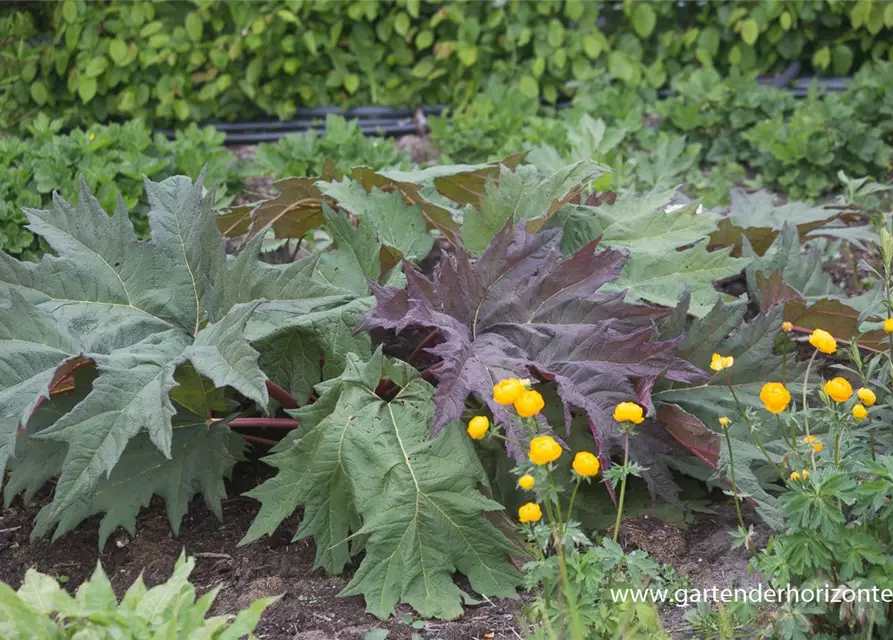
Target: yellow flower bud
[[507, 391], [718, 362], [839, 389], [823, 341], [543, 450], [814, 442], [775, 397], [530, 512], [586, 464], [477, 427], [888, 325], [860, 412], [629, 412], [529, 403], [866, 397], [795, 475], [787, 327], [526, 482], [724, 421]]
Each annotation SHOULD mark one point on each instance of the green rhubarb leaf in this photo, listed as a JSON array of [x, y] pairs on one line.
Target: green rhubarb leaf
[[130, 327], [525, 194], [756, 217], [201, 456], [400, 227], [365, 467], [662, 278], [33, 349], [639, 223], [355, 255]]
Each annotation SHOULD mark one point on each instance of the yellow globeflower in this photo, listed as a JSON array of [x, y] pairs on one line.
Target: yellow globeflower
[[860, 412], [543, 450], [724, 421], [888, 325], [718, 362], [586, 464], [530, 512], [477, 427], [795, 475], [866, 397], [787, 327], [507, 391], [839, 389], [529, 403], [814, 442], [526, 482], [775, 397], [823, 341], [629, 412]]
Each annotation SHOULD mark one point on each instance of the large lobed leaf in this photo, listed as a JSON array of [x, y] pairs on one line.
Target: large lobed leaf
[[365, 469], [143, 314], [522, 310], [668, 247]]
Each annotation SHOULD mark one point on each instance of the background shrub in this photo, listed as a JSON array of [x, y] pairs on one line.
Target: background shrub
[[194, 61]]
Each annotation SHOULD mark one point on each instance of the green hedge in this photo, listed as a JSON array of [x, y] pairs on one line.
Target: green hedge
[[202, 59], [111, 159]]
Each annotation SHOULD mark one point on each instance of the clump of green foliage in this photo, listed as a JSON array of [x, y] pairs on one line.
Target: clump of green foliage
[[113, 160], [342, 143], [43, 609]]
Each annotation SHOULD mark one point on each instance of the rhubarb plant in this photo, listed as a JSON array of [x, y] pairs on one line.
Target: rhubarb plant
[[124, 361]]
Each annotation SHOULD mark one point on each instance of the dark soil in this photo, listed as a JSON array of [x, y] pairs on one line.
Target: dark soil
[[310, 608]]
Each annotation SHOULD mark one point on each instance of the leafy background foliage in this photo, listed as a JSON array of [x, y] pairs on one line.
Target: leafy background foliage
[[112, 159], [198, 60]]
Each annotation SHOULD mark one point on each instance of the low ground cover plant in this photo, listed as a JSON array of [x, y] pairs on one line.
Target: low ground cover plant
[[42, 609]]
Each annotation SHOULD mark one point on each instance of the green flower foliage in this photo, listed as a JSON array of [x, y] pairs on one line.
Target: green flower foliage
[[112, 159], [43, 609], [201, 60]]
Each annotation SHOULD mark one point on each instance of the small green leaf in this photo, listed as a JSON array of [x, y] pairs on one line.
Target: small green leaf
[[750, 31], [592, 45], [821, 58], [424, 40], [69, 11], [528, 86], [574, 9], [468, 55], [351, 82], [401, 24], [785, 21], [194, 26], [87, 89], [97, 66], [118, 52], [644, 19], [842, 59], [39, 93]]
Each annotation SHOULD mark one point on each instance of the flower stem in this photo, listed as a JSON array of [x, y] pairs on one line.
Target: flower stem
[[805, 412], [570, 508], [734, 483], [622, 486]]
